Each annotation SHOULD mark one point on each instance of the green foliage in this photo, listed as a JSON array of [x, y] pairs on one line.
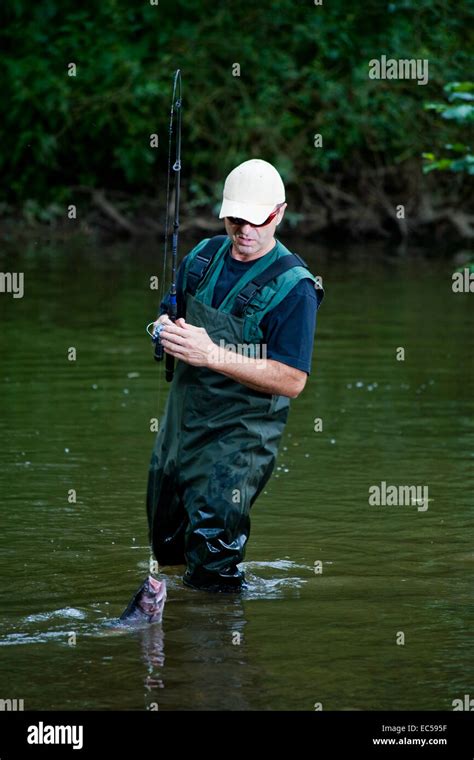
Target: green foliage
[[304, 70], [461, 159]]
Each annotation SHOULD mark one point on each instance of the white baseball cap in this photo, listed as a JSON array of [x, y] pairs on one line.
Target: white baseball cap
[[251, 191]]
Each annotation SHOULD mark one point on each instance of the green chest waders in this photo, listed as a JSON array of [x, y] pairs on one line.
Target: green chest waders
[[214, 454]]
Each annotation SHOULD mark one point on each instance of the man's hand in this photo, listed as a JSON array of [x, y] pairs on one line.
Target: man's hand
[[186, 342], [163, 319]]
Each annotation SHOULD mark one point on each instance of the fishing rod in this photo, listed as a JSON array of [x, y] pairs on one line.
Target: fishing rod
[[172, 307]]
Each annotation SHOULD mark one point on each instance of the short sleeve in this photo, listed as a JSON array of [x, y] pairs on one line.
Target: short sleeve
[[289, 328]]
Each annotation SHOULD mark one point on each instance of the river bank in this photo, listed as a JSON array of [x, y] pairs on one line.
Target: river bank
[[389, 203]]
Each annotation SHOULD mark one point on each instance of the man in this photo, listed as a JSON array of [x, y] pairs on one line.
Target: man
[[239, 296]]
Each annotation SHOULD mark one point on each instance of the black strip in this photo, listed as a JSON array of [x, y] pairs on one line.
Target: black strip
[[278, 267], [201, 263]]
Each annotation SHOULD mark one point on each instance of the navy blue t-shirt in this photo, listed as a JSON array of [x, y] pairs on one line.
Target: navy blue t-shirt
[[288, 329]]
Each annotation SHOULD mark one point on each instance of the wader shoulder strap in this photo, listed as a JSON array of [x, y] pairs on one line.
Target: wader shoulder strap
[[201, 263], [282, 264]]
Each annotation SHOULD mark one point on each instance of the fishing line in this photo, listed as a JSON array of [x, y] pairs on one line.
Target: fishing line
[[175, 104], [171, 308]]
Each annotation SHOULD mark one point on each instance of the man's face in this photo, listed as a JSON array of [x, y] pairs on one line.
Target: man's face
[[249, 240]]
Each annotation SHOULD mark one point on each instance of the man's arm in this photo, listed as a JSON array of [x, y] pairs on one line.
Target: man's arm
[[193, 345], [268, 376]]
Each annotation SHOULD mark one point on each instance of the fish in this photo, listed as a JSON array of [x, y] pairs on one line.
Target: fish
[[147, 604]]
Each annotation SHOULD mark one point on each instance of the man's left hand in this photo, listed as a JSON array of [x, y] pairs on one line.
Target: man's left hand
[[189, 343]]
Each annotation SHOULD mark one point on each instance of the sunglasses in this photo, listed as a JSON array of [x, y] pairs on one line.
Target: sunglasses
[[240, 222]]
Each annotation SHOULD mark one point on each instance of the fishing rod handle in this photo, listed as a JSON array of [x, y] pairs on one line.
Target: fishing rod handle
[[158, 352], [169, 368]]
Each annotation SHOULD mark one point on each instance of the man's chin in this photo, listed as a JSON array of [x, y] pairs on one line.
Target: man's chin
[[245, 245]]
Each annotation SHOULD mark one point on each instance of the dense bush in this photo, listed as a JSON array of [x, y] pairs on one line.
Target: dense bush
[[303, 70]]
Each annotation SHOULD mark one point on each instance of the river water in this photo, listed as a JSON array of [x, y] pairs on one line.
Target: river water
[[350, 605]]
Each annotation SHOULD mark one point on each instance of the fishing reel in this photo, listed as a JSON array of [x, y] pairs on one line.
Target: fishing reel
[[159, 352], [155, 337]]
